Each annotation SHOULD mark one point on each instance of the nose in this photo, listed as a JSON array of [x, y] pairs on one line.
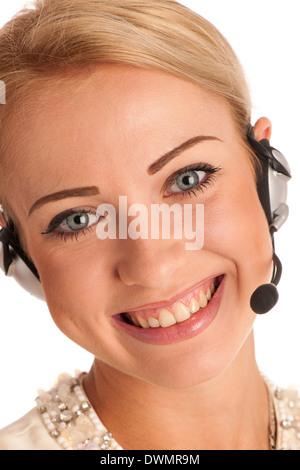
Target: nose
[[150, 263]]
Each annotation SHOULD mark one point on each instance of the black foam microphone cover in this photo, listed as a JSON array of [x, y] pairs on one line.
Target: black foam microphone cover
[[264, 298]]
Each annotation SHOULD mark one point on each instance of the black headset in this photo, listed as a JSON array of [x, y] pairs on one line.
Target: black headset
[[15, 263], [272, 185]]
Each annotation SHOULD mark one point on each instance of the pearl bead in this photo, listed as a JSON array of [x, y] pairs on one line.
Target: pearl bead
[[75, 428]]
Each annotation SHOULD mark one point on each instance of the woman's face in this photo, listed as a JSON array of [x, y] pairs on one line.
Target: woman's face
[[102, 133]]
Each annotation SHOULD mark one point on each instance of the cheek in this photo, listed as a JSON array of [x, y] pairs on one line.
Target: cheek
[[236, 226], [73, 281]]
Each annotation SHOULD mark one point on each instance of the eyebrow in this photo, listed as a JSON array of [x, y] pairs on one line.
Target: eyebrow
[[76, 192], [167, 157], [153, 168]]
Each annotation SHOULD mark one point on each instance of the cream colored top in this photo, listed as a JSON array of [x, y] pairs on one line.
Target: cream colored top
[[28, 433], [64, 419]]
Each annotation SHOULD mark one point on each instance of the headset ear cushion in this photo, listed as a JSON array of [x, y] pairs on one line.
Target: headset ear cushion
[[263, 188], [12, 249], [7, 255], [262, 154], [20, 268]]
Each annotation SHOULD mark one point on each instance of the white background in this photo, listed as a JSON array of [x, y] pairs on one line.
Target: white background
[[265, 35]]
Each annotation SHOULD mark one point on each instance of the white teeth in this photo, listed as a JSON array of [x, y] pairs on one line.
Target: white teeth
[[143, 323], [166, 318], [194, 305], [153, 322], [208, 294], [181, 312], [134, 320], [202, 299]]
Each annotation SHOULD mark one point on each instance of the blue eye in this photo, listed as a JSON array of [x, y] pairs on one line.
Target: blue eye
[[191, 179], [187, 181], [70, 223], [78, 221]]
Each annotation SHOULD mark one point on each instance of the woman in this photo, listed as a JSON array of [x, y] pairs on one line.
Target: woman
[[107, 98]]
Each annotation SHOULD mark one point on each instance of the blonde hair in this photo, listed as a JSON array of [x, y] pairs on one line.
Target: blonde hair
[[65, 37]]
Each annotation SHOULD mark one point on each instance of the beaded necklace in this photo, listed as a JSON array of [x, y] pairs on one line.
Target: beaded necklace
[[71, 420]]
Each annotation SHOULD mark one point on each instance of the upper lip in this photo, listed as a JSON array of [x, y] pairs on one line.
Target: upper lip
[[173, 299]]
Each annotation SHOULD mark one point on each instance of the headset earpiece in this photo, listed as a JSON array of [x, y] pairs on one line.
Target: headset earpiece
[[15, 263], [272, 185]]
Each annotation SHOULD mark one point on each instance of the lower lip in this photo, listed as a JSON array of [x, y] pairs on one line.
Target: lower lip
[[197, 323]]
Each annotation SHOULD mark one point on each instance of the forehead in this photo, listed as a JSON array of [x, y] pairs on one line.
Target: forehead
[[122, 97], [113, 115]]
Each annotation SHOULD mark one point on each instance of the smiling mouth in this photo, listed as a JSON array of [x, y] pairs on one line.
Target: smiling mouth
[[177, 312]]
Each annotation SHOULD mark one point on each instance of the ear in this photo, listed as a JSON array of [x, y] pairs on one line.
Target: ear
[[263, 129]]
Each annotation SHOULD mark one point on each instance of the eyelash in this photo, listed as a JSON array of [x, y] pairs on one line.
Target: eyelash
[[67, 235], [64, 235], [208, 181]]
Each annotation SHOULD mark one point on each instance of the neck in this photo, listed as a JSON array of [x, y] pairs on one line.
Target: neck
[[227, 412]]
